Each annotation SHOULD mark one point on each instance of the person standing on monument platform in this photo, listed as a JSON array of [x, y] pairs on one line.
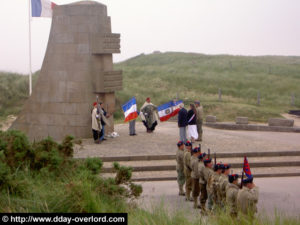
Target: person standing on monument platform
[[149, 116], [192, 127], [132, 127], [180, 167], [96, 124], [103, 114], [199, 119], [182, 122]]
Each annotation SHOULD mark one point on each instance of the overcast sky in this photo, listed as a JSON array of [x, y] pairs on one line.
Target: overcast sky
[[238, 27]]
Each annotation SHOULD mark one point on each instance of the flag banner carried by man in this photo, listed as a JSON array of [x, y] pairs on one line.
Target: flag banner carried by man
[[130, 110], [168, 110], [246, 168], [42, 8]]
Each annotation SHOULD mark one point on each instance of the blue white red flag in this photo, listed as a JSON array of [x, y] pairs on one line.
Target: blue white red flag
[[42, 8], [130, 110], [246, 168], [168, 110]]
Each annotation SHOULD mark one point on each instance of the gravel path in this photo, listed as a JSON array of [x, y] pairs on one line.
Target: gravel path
[[165, 137]]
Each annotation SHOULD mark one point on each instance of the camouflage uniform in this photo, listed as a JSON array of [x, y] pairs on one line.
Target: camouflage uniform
[[187, 173], [179, 169], [195, 179], [231, 198], [247, 200], [204, 173], [223, 181], [212, 189]]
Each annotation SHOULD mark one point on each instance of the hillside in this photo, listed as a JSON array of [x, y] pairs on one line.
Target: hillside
[[13, 92], [193, 76], [197, 76]]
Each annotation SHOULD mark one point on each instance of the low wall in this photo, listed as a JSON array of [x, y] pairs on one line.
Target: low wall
[[252, 127], [279, 122]]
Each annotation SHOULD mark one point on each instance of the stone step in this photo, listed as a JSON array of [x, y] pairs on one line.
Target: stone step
[[138, 168], [219, 155], [219, 160], [267, 175], [171, 175]]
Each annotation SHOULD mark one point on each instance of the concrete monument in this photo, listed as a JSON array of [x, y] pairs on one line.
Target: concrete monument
[[77, 68]]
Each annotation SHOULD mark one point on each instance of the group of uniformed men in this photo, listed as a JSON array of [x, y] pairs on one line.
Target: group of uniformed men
[[213, 183]]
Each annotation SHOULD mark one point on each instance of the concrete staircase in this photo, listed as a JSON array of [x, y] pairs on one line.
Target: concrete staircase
[[163, 167]]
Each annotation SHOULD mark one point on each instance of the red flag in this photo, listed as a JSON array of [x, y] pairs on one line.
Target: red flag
[[246, 167]]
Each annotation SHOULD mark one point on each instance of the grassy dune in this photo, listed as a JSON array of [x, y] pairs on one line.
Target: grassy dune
[[197, 76], [194, 76]]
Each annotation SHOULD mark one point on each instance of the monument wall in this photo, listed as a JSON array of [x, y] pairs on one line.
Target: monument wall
[[77, 68]]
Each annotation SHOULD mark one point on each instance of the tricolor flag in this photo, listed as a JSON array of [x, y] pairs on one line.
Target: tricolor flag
[[130, 110], [246, 168], [42, 8], [168, 110]]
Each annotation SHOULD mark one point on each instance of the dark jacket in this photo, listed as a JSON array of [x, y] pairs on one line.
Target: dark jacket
[[182, 118], [189, 116], [104, 113]]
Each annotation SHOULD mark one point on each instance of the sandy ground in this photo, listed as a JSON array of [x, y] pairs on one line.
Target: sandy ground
[[4, 125], [165, 137], [281, 194]]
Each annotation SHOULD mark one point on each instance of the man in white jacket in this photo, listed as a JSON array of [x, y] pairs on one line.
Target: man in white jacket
[[96, 124]]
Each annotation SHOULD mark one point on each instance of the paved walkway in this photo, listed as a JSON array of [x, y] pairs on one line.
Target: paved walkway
[[281, 194], [166, 135]]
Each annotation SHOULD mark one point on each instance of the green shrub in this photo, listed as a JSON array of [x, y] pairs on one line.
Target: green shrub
[[66, 148], [94, 164], [136, 190], [123, 173], [16, 148], [5, 173], [49, 180], [46, 154]]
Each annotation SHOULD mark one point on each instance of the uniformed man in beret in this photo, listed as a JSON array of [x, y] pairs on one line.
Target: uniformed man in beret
[[213, 187], [223, 181], [195, 175], [232, 190], [188, 170], [205, 173], [180, 167], [247, 198]]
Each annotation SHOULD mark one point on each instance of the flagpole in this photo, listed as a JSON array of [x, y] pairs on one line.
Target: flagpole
[[29, 38]]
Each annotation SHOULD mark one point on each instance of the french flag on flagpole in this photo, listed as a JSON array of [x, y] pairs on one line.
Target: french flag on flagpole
[[42, 8], [246, 168], [168, 110], [130, 110]]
